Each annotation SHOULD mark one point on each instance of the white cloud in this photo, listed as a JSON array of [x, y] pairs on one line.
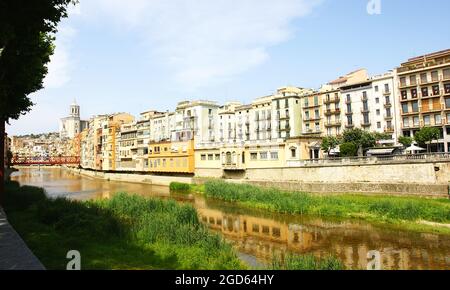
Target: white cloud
[[61, 64], [205, 42]]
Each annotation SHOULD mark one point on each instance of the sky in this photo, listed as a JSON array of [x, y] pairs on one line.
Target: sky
[[136, 55]]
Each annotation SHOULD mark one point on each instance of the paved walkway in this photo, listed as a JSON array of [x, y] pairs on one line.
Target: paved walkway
[[14, 253]]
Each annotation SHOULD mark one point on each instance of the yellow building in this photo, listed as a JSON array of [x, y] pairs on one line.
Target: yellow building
[[424, 92], [172, 157]]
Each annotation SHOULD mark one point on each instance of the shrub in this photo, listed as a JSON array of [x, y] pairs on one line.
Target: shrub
[[348, 149], [177, 186]]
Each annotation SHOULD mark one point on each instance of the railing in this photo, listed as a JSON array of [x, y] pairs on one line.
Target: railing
[[428, 157], [29, 160]]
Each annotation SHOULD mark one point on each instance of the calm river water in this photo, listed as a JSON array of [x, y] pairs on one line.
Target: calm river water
[[257, 235]]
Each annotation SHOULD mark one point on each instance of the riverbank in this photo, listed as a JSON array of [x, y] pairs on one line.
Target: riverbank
[[125, 232], [406, 213]]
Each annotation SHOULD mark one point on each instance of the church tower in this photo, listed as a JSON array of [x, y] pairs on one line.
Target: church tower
[[74, 110]]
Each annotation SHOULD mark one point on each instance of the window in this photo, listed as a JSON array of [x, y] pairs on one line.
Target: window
[[434, 76], [203, 157], [379, 125], [210, 157], [404, 95], [377, 100], [448, 121], [447, 88], [349, 99], [406, 122], [436, 90], [293, 153], [217, 156], [416, 121], [388, 112], [263, 155], [376, 89], [378, 112], [349, 120], [254, 156], [438, 119], [349, 108], [424, 92], [316, 100], [274, 155], [415, 106], [423, 78], [447, 103], [414, 93], [387, 89], [402, 81], [427, 120], [447, 73], [405, 108]]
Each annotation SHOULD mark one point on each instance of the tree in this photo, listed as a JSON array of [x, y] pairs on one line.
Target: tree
[[329, 143], [349, 149], [426, 136], [405, 141], [360, 138], [27, 31]]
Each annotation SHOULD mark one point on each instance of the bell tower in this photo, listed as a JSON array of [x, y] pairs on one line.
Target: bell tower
[[74, 110]]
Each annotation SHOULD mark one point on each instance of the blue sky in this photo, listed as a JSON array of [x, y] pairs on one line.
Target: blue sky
[[135, 55]]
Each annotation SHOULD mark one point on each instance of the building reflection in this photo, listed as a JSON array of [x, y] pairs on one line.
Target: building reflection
[[265, 237]]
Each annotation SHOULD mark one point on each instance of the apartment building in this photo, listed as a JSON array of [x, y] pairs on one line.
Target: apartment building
[[128, 148], [193, 120], [172, 157], [424, 93], [99, 144], [313, 121]]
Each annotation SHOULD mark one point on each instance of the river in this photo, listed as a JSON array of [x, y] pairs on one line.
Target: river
[[257, 235]]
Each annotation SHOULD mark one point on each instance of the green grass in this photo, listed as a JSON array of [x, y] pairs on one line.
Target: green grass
[[180, 187], [126, 232], [407, 211]]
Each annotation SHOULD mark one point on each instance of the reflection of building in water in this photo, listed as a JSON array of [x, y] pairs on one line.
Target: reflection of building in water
[[349, 242]]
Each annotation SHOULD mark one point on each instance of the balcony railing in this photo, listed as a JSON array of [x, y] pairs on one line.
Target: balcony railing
[[393, 159]]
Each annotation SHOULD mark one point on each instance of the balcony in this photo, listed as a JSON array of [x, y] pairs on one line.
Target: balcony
[[232, 167], [366, 124], [333, 124], [388, 117], [406, 86], [333, 112], [332, 100], [388, 105], [365, 110], [389, 130], [386, 92], [349, 126], [349, 113]]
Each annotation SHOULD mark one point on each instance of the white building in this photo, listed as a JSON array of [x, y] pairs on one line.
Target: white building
[[72, 125]]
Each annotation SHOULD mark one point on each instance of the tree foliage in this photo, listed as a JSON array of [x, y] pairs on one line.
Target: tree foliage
[[27, 31], [405, 141], [349, 149], [426, 136], [360, 138], [329, 143]]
